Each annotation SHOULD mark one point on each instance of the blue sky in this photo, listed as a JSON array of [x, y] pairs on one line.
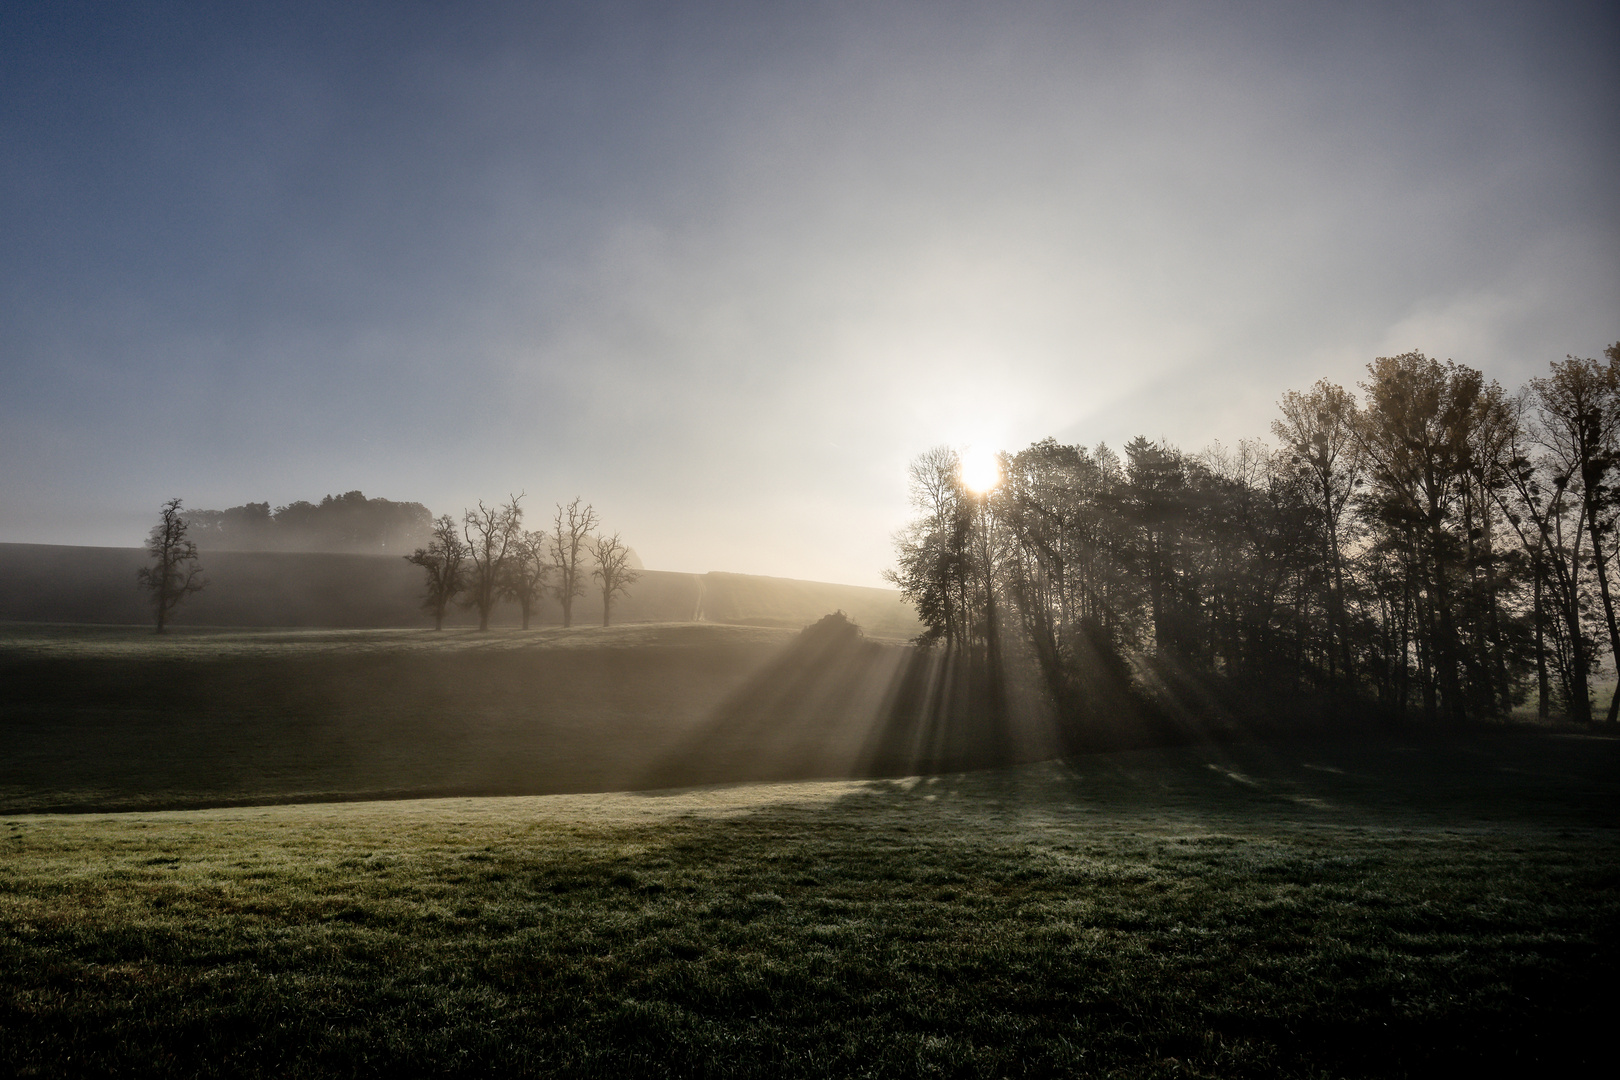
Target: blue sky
[[723, 269]]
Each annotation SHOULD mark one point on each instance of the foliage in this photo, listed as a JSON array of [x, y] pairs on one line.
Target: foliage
[[1426, 552], [347, 522], [834, 626]]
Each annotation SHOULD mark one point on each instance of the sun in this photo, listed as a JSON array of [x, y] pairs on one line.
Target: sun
[[980, 469]]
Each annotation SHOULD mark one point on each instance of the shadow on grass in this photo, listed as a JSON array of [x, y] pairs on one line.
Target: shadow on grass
[[834, 705], [1424, 911]]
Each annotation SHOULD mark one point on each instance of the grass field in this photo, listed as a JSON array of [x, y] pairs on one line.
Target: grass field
[[116, 718], [120, 718], [1404, 905], [1331, 910]]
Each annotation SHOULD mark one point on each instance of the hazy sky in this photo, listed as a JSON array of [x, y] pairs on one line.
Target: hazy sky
[[723, 269]]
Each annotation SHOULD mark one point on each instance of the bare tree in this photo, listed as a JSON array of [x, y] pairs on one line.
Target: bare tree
[[569, 540], [175, 572], [492, 534], [526, 573], [613, 570], [444, 561]]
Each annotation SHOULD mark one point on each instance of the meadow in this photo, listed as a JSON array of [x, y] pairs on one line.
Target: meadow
[[1405, 904], [100, 718]]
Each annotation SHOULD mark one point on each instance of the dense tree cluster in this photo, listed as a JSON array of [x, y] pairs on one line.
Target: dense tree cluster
[[1440, 548], [490, 558], [338, 523]]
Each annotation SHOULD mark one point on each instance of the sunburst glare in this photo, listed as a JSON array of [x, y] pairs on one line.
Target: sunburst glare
[[981, 469]]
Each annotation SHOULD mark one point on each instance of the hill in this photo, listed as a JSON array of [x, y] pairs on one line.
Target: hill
[[121, 718], [59, 583]]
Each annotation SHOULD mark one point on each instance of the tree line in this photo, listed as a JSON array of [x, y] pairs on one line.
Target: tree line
[[338, 523], [489, 557], [1438, 547], [485, 559]]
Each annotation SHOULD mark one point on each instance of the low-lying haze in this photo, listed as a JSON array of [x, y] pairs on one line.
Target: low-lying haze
[[723, 269]]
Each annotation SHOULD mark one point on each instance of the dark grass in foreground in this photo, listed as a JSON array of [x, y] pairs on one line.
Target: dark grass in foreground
[[1332, 910]]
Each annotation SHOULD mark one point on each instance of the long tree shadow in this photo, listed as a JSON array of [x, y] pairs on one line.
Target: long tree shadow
[[835, 704]]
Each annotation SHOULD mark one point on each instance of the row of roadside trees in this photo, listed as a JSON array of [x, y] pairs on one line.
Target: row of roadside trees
[[488, 557], [1439, 547]]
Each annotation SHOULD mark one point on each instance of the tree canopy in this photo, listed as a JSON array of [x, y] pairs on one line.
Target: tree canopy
[[1440, 548]]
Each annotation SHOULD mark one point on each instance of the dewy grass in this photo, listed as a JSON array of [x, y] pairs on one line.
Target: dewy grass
[[1131, 915]]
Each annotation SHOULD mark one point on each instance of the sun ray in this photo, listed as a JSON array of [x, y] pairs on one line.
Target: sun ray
[[980, 469]]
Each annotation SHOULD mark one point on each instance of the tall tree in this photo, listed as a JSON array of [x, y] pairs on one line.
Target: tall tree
[[570, 536], [526, 573], [1414, 434], [444, 561], [1496, 569], [492, 535], [175, 572], [1155, 503], [935, 554], [613, 572], [1579, 409], [1318, 429], [1060, 565], [1543, 510]]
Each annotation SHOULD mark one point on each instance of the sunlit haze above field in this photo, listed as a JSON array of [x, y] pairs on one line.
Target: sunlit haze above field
[[723, 270]]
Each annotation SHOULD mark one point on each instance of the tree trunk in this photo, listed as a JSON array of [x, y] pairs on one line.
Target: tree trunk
[[1608, 604], [1445, 652], [1542, 704]]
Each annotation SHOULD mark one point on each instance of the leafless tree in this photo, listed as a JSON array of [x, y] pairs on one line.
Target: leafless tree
[[445, 562], [492, 534], [613, 571], [526, 573], [570, 539], [175, 572]]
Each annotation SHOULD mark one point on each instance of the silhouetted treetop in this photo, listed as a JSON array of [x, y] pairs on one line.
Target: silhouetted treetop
[[338, 523], [1438, 548]]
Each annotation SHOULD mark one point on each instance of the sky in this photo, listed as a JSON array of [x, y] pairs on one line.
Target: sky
[[724, 269]]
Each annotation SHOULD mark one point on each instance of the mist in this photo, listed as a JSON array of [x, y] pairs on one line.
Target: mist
[[727, 269]]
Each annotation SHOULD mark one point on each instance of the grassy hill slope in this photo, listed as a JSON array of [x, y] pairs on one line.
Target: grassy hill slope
[[62, 584], [117, 718]]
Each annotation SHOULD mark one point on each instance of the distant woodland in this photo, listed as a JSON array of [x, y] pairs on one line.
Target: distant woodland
[[347, 523], [1436, 548]]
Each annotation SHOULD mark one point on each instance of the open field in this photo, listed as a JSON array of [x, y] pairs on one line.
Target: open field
[[1385, 904], [121, 718], [1405, 908]]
